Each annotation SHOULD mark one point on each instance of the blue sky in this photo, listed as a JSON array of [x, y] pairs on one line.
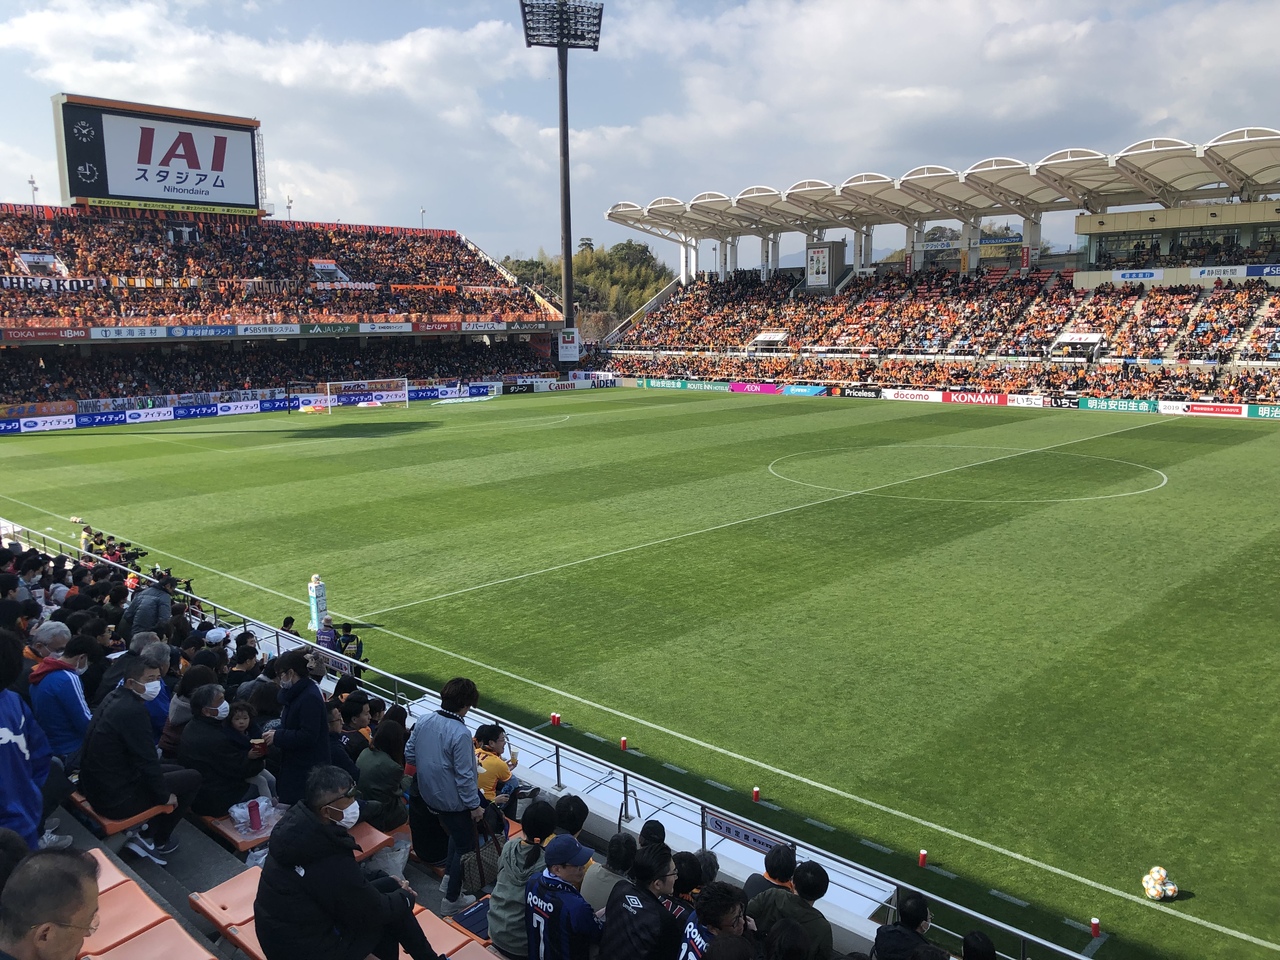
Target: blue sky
[[373, 111]]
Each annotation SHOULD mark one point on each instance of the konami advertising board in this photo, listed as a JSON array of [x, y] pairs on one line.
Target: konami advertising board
[[113, 153]]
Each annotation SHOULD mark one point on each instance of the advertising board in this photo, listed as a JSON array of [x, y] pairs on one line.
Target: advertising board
[[143, 155], [919, 396]]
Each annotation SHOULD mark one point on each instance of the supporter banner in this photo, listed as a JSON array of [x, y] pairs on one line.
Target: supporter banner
[[436, 287], [196, 411], [329, 329], [50, 284], [976, 399], [155, 283], [1203, 409], [277, 406], [1218, 273], [343, 285], [755, 388], [386, 328], [531, 378], [920, 396], [441, 326], [857, 393], [1137, 276], [508, 388], [240, 406], [203, 331], [1021, 400], [1061, 403], [268, 329], [99, 419], [40, 424], [48, 333], [263, 286], [129, 333], [10, 426], [51, 409], [152, 415], [797, 390], [570, 344], [1122, 406]]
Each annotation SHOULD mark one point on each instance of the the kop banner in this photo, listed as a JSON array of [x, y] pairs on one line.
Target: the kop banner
[[113, 153]]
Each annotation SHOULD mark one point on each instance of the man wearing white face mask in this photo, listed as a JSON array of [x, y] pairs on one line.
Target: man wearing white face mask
[[223, 766], [121, 774], [315, 902], [57, 696]]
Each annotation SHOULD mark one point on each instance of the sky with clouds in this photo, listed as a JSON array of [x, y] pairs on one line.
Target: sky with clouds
[[371, 112]]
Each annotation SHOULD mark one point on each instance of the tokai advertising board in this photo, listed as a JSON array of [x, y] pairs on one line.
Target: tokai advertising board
[[113, 153]]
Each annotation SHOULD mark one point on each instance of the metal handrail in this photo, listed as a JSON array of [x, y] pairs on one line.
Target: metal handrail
[[560, 750]]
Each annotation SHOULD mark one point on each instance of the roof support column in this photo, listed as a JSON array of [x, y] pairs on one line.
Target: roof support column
[[693, 258], [684, 262], [970, 247], [733, 255], [775, 242], [912, 262], [764, 258], [722, 265], [868, 256], [1030, 243]]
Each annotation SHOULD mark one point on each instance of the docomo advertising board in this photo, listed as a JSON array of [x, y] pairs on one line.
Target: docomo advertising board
[[114, 153]]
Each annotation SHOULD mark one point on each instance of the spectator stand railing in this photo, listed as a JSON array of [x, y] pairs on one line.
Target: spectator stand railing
[[858, 900], [657, 300]]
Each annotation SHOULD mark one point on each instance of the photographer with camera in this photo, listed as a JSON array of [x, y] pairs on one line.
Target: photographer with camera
[[149, 608]]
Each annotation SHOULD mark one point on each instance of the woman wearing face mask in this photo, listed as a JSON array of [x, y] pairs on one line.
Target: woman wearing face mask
[[57, 696], [314, 900], [303, 734], [223, 765]]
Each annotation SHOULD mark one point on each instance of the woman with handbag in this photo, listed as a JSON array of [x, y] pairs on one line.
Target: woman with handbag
[[519, 862]]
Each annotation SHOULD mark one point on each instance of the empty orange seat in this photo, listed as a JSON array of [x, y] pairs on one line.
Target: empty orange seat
[[111, 827], [245, 937], [471, 950], [370, 840], [442, 937], [229, 903], [123, 912], [165, 941], [109, 875]]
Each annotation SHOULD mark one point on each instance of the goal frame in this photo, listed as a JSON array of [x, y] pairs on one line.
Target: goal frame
[[332, 389]]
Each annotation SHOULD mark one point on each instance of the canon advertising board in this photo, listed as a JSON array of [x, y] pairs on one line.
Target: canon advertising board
[[112, 153]]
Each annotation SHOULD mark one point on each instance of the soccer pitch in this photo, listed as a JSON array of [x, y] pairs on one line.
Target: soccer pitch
[[1040, 644]]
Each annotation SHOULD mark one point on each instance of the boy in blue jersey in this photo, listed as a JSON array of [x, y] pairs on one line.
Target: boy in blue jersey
[[559, 923]]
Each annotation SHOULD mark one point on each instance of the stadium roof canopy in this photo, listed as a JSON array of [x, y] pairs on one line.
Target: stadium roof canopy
[[1243, 163]]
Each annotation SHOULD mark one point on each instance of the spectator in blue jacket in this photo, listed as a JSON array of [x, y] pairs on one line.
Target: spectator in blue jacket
[[24, 751], [58, 698], [559, 923], [442, 749]]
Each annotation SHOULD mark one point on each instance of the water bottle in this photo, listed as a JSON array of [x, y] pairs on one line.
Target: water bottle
[[255, 816]]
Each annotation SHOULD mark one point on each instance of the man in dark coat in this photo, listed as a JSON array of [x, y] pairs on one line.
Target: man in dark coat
[[897, 941], [224, 766], [303, 734], [121, 774], [636, 924], [315, 902]]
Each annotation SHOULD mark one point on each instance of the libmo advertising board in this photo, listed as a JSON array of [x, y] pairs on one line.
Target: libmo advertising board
[[131, 154]]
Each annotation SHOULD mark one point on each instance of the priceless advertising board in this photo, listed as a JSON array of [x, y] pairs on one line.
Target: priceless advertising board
[[855, 393], [976, 399], [139, 154], [919, 396]]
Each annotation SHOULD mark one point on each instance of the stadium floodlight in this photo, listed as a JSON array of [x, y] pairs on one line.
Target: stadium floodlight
[[566, 25]]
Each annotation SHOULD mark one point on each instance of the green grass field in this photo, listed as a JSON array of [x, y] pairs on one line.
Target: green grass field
[[1040, 644]]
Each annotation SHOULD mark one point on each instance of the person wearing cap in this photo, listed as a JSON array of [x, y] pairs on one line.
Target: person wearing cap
[[559, 923]]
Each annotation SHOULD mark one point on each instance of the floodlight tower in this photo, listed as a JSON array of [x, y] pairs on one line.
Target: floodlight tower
[[565, 25]]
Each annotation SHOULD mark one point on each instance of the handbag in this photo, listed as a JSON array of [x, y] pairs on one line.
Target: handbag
[[480, 865]]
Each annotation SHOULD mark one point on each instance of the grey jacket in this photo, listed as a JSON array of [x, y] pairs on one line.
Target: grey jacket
[[441, 748]]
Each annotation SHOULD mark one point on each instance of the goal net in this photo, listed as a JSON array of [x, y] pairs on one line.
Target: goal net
[[323, 397]]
